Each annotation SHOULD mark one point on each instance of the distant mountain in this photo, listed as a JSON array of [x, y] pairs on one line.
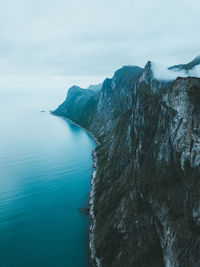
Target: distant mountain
[[187, 66], [96, 87], [145, 196]]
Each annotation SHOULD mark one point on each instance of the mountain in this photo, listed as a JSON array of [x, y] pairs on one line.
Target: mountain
[[96, 87], [145, 197], [195, 62]]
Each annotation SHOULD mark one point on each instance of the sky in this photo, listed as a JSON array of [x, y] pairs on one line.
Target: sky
[[58, 43]]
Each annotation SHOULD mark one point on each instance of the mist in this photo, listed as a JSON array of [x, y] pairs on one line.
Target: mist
[[163, 73]]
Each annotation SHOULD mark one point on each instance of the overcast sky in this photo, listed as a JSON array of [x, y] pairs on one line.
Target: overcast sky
[[53, 41]]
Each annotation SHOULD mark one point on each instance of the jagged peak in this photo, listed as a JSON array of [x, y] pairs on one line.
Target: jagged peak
[[148, 64], [148, 72], [148, 67]]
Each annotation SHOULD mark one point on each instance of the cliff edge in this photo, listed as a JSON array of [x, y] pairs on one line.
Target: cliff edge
[[145, 204]]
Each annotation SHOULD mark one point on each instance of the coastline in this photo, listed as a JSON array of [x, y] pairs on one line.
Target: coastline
[[91, 134], [92, 257]]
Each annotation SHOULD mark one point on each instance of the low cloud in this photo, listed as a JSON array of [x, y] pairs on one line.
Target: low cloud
[[163, 73]]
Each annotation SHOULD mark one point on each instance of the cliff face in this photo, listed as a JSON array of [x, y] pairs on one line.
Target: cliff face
[[147, 184]]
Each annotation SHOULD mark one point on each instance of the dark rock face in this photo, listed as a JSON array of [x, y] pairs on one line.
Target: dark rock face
[[146, 189], [79, 106]]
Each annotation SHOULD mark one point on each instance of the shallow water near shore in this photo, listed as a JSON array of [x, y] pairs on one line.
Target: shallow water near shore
[[45, 173]]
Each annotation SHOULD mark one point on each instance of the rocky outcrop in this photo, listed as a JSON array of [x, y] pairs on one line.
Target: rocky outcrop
[[145, 198]]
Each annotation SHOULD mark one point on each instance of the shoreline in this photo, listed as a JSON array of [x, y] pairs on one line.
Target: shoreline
[[91, 134], [93, 259]]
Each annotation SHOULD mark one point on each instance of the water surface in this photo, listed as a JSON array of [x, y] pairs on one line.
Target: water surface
[[45, 172]]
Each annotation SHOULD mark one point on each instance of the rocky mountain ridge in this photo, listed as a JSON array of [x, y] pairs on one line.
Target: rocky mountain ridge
[[146, 189], [195, 62]]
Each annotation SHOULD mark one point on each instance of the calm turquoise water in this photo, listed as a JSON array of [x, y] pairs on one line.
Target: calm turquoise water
[[45, 172]]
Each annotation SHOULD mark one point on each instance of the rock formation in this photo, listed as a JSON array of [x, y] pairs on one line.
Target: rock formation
[[146, 189]]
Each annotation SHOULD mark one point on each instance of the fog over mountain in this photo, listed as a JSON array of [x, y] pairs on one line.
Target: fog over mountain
[[191, 69]]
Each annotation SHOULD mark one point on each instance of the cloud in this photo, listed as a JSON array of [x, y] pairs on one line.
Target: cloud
[[94, 38], [195, 72], [163, 73]]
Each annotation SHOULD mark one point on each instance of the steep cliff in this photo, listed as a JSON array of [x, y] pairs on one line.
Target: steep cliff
[[145, 200]]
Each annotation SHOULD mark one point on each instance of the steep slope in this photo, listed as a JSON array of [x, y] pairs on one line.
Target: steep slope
[[146, 189], [195, 62], [79, 105]]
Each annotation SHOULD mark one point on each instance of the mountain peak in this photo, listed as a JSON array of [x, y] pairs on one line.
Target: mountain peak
[[198, 57], [188, 66], [195, 61], [148, 73]]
